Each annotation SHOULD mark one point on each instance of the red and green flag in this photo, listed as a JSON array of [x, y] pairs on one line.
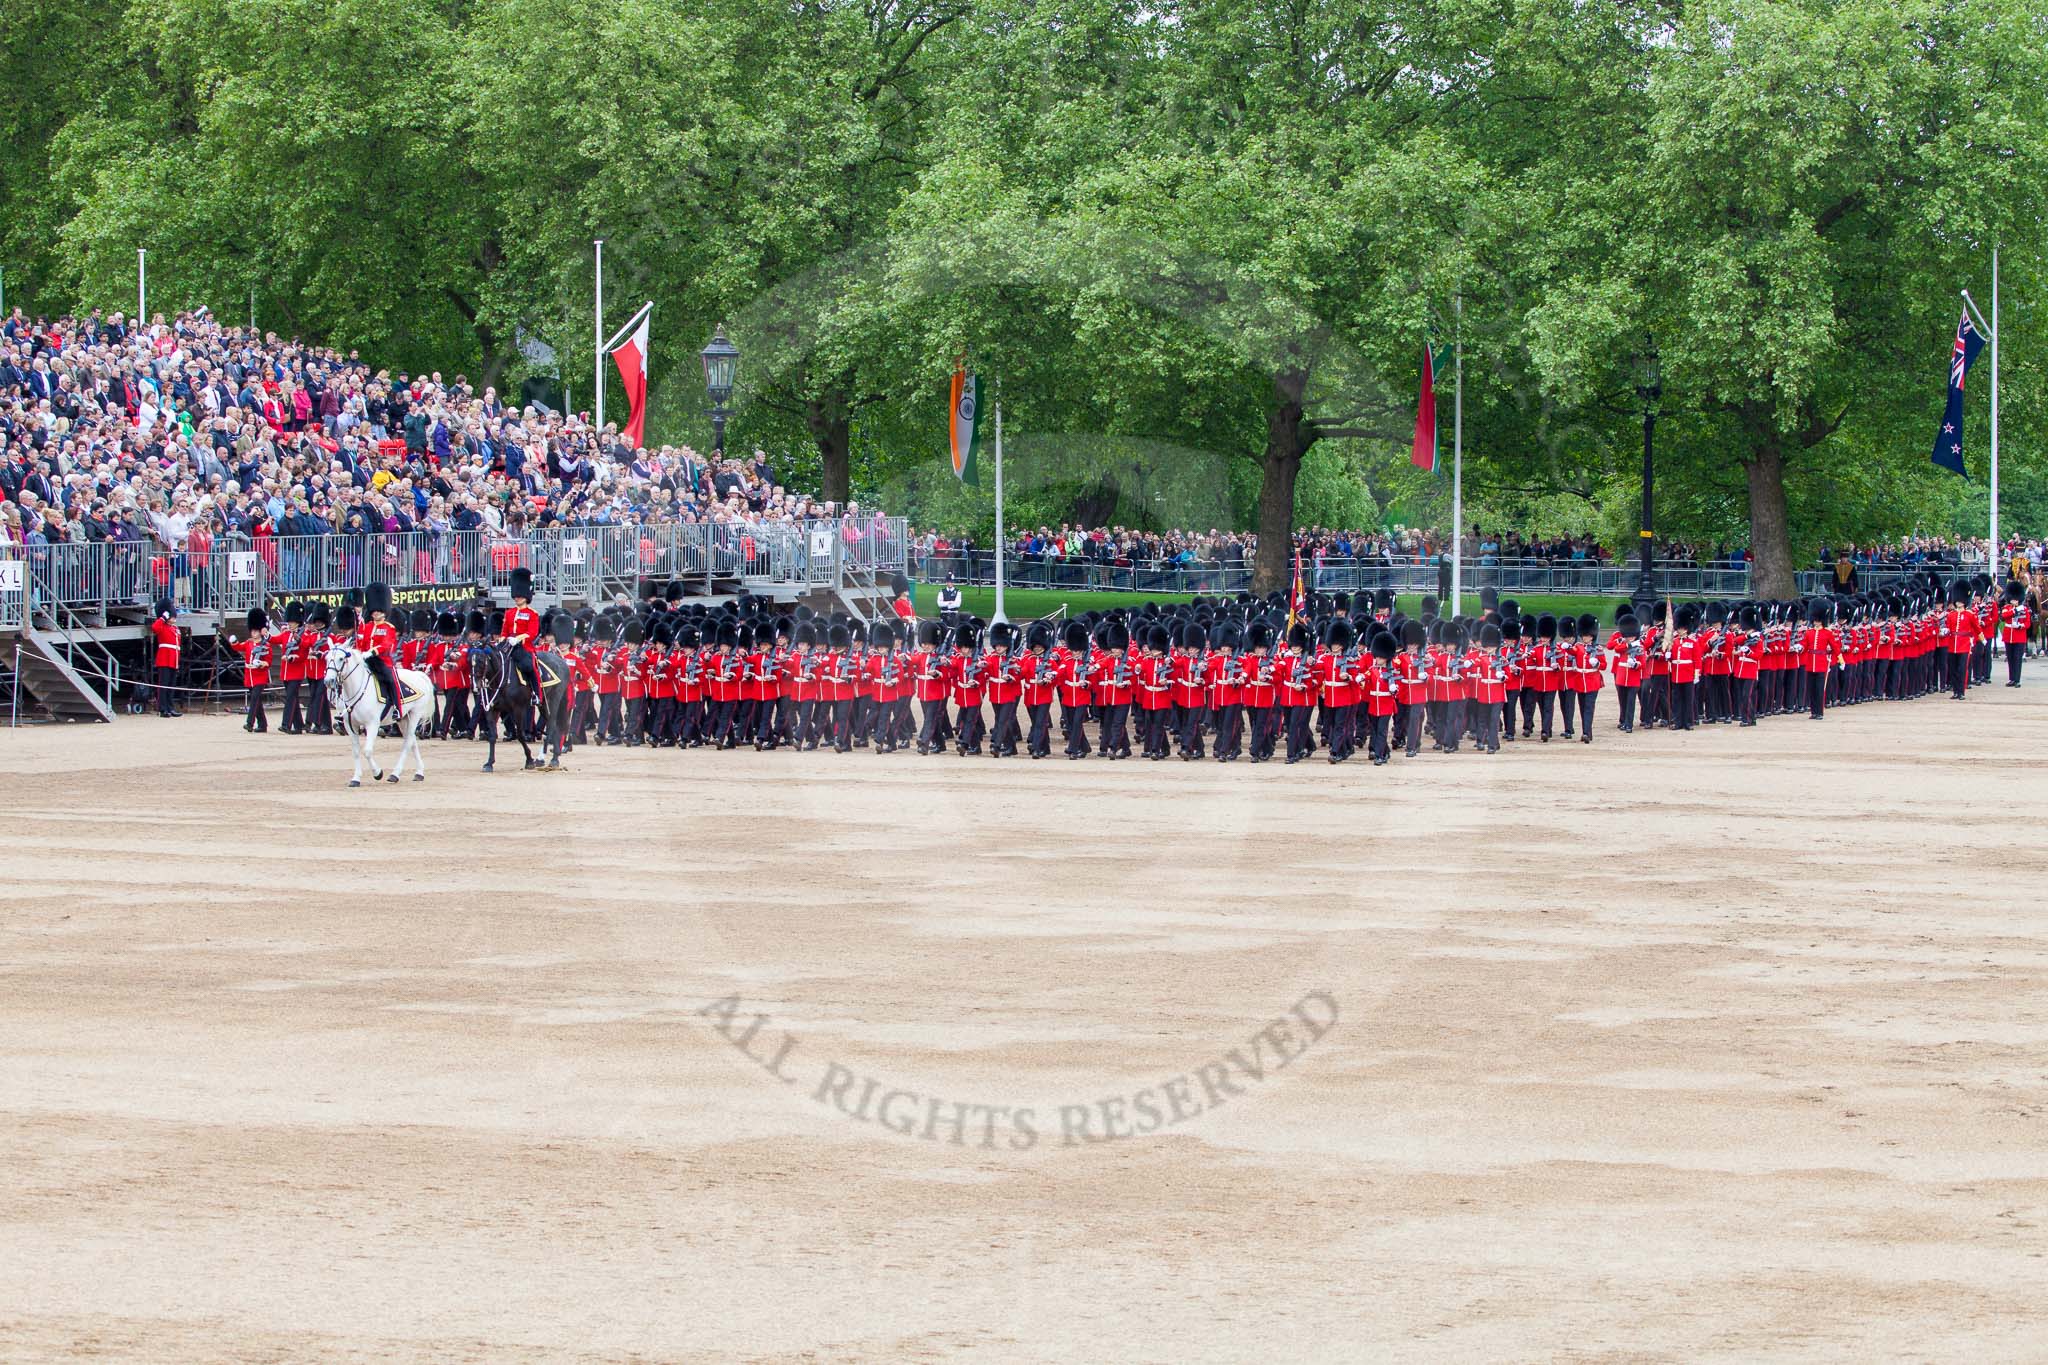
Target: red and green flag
[[1423, 454]]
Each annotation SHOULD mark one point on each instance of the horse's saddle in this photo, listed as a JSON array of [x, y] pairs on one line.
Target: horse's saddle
[[407, 693], [551, 672]]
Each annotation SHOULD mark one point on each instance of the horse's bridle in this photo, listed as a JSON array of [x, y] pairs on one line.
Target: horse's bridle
[[348, 705], [488, 693]]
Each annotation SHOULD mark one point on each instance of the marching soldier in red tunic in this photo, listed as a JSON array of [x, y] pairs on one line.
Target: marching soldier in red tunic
[[1110, 675], [255, 649], [1075, 694], [1411, 686], [1488, 680], [1005, 690], [2015, 620], [313, 662], [1041, 681], [1261, 694], [1382, 695], [291, 667], [1225, 672]]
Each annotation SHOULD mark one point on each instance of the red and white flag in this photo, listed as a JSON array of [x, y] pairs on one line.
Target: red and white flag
[[628, 351]]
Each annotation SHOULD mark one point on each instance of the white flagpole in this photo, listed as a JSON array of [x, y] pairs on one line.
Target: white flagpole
[[999, 618], [141, 287], [599, 358], [1997, 575], [1458, 460]]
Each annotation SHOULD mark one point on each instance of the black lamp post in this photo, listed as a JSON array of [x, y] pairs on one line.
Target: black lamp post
[[721, 358], [1649, 388]]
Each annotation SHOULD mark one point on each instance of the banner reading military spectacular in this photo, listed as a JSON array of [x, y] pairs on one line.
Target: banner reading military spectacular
[[964, 426], [418, 595]]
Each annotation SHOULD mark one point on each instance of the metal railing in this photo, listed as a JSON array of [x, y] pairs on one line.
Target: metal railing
[[1587, 578], [94, 579]]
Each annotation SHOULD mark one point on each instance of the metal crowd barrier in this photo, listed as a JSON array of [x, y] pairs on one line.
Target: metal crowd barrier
[[597, 561], [592, 562], [1675, 578]]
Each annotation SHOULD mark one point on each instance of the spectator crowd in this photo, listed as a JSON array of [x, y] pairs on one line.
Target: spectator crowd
[[184, 434]]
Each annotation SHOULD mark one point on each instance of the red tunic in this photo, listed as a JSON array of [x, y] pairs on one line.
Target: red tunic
[[521, 625], [255, 652], [168, 645]]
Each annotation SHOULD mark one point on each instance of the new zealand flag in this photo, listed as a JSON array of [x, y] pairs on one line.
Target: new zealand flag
[[1948, 446]]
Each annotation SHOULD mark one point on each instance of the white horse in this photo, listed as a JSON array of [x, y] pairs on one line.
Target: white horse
[[353, 694]]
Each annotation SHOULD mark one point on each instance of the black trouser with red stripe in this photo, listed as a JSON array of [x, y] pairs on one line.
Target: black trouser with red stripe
[[1264, 733], [932, 734], [1074, 721]]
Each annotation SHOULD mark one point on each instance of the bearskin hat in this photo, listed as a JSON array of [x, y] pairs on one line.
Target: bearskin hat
[[447, 623], [1413, 635], [1546, 627], [258, 619], [1511, 629], [1589, 625], [166, 607], [479, 623], [1298, 636], [1259, 635], [635, 632], [1038, 635], [1341, 636], [522, 584], [1489, 636], [1075, 636], [295, 613], [1228, 636], [2015, 591], [1383, 645], [1688, 616], [345, 617], [965, 635], [1629, 627]]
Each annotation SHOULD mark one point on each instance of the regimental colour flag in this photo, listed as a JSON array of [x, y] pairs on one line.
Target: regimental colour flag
[[629, 353], [1423, 455], [964, 426], [1297, 601], [1948, 443]]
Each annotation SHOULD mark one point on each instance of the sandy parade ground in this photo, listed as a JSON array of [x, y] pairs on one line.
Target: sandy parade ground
[[1721, 1046]]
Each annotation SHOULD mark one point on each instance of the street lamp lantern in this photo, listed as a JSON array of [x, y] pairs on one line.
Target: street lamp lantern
[[721, 359], [1649, 388]]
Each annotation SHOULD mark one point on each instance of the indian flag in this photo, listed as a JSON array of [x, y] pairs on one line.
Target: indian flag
[[964, 426]]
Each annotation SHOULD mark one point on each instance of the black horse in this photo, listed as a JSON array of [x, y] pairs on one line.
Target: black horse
[[501, 691]]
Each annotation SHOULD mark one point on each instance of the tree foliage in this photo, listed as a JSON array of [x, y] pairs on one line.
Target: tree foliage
[[1201, 242]]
